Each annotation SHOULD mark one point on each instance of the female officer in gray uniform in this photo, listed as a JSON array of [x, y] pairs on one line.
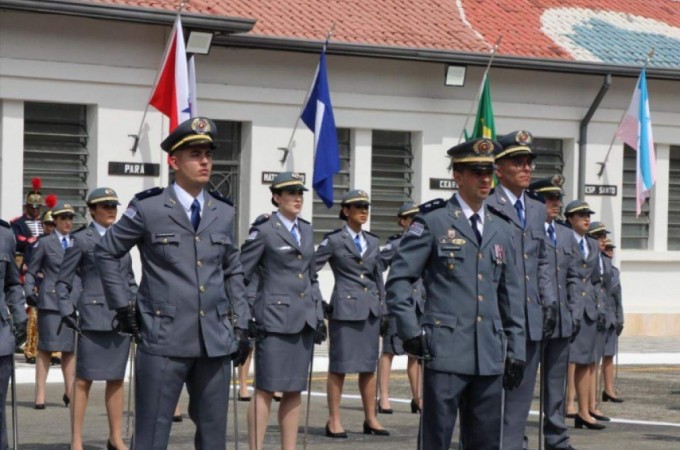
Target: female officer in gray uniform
[[287, 309], [392, 344], [102, 352], [46, 257], [357, 307]]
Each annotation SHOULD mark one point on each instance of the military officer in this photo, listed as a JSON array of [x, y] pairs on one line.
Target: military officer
[[473, 325], [611, 346], [287, 309], [47, 255], [392, 344], [11, 302], [102, 352], [555, 356], [526, 215], [354, 325], [191, 280], [28, 227], [583, 281]]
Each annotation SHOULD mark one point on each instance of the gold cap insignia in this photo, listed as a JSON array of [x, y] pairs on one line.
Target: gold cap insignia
[[523, 137], [200, 126], [557, 180]]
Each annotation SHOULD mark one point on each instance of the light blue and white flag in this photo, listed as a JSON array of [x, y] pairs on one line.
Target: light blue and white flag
[[318, 116], [636, 130]]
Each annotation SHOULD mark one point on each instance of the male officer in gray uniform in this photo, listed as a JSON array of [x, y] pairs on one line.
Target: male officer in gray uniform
[[556, 347], [473, 324], [526, 215], [12, 297], [190, 273]]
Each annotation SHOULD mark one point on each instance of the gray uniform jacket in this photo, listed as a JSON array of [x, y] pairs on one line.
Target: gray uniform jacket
[[359, 284], [188, 277], [79, 260], [616, 295], [583, 281], [474, 305], [287, 296], [387, 255], [531, 259], [607, 302], [560, 257], [11, 292], [47, 255]]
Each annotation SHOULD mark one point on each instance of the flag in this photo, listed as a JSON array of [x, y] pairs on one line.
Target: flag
[[171, 93], [193, 102], [636, 131], [484, 123], [317, 114]]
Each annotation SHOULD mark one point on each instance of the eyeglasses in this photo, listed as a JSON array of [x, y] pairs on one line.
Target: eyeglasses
[[520, 163]]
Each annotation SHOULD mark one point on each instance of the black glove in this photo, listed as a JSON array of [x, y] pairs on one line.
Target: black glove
[[619, 329], [256, 331], [384, 325], [601, 322], [19, 333], [549, 320], [32, 300], [575, 327], [71, 321], [321, 332], [417, 347], [327, 310], [514, 373], [241, 353], [126, 321]]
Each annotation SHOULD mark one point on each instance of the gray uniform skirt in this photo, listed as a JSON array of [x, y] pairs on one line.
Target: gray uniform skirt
[[48, 339], [282, 361], [610, 341], [102, 355], [353, 346], [583, 350]]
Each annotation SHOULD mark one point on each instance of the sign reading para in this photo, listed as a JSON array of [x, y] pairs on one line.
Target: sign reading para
[[134, 169]]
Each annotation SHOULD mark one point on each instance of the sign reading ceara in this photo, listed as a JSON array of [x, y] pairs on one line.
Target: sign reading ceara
[[134, 169], [600, 189], [446, 184]]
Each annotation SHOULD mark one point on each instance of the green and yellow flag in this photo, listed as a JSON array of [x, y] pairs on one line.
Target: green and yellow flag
[[484, 124]]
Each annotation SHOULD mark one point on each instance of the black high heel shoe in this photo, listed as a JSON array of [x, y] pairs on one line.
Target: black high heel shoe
[[110, 446], [579, 422], [378, 432], [66, 400], [608, 398], [599, 417], [382, 410], [414, 406], [39, 406], [340, 435]]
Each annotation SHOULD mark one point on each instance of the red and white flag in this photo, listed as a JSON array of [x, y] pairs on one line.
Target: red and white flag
[[171, 95]]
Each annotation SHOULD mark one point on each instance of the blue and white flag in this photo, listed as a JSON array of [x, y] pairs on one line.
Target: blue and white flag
[[318, 116], [636, 130]]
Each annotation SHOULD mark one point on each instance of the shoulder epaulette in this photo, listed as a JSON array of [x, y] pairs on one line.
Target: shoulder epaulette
[[432, 205], [535, 196], [372, 234], [83, 227], [498, 213], [394, 237], [4, 224], [220, 197], [149, 193], [332, 232], [260, 220], [303, 220]]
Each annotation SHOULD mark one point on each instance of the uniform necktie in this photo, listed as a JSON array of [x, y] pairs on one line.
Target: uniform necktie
[[64, 243], [551, 234], [195, 214], [357, 243], [295, 234], [582, 246], [473, 221], [520, 213]]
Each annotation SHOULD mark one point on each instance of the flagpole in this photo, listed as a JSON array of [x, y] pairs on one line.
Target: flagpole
[[136, 137], [603, 164], [481, 87], [287, 148]]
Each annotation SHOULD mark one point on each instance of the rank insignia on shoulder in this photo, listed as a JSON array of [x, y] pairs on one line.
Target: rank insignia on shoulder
[[416, 228], [220, 197], [149, 193], [432, 205], [4, 224]]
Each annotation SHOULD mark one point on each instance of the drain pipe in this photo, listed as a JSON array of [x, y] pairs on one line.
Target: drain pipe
[[583, 135]]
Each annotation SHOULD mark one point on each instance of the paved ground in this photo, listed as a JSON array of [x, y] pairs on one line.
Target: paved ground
[[648, 420]]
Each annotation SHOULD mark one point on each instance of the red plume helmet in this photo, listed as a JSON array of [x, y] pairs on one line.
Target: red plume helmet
[[51, 201], [36, 183]]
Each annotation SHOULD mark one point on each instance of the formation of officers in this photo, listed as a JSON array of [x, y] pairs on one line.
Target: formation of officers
[[483, 288]]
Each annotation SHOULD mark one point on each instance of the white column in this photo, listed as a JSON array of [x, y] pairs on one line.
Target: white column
[[658, 217], [11, 158], [360, 177]]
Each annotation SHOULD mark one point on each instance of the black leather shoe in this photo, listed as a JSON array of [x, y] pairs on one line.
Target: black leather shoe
[[340, 435], [39, 406], [378, 432], [243, 399], [414, 406], [579, 422], [382, 410], [608, 398], [66, 400], [599, 417]]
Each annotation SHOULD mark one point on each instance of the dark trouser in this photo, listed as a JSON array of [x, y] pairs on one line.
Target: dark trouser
[[158, 385], [554, 370], [518, 402], [443, 394], [5, 374]]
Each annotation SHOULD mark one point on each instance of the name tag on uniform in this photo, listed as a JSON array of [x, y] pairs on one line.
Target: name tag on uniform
[[285, 247], [164, 235]]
